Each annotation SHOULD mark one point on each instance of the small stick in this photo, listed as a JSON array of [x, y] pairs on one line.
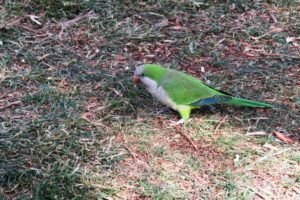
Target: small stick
[[280, 55], [10, 104], [256, 133], [275, 30], [68, 23], [273, 18], [129, 151], [3, 95], [257, 193], [187, 138], [222, 122], [88, 15]]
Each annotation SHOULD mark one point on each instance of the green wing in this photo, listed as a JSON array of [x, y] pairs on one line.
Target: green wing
[[185, 89]]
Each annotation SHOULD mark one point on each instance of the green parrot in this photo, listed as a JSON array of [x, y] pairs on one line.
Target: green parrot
[[183, 92]]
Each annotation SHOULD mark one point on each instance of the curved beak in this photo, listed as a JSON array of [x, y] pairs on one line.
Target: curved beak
[[136, 79]]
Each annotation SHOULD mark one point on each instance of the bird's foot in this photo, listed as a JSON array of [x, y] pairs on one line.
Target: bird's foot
[[181, 121]]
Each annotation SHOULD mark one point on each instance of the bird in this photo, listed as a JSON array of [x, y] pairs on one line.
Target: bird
[[183, 92]]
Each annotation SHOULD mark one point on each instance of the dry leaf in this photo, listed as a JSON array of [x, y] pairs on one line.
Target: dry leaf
[[283, 137]]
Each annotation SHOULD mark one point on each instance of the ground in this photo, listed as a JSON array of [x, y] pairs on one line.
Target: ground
[[73, 125]]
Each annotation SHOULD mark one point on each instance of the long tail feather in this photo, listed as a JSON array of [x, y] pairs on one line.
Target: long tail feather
[[250, 103]]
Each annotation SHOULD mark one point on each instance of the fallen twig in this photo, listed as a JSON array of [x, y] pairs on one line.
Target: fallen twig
[[4, 95], [257, 133], [88, 15], [275, 30], [222, 122], [129, 151], [186, 137], [256, 192], [96, 124], [10, 104], [266, 157], [68, 23], [27, 29], [274, 18], [280, 55]]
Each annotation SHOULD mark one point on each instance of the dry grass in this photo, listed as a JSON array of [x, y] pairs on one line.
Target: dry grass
[[73, 126]]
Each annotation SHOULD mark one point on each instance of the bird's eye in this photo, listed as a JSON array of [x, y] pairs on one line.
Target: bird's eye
[[142, 75]]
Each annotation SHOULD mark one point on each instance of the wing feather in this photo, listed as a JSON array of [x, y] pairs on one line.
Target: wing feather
[[186, 89], [212, 100]]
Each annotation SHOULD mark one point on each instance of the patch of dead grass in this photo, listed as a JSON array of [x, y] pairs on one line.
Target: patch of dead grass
[[73, 125]]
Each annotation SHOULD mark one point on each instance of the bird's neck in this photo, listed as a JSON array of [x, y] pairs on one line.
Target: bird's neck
[[150, 83]]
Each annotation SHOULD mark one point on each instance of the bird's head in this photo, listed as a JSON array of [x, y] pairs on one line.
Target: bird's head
[[138, 74], [148, 71]]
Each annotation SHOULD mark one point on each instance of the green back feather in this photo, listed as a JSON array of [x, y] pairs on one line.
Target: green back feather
[[154, 72], [185, 89], [180, 87]]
